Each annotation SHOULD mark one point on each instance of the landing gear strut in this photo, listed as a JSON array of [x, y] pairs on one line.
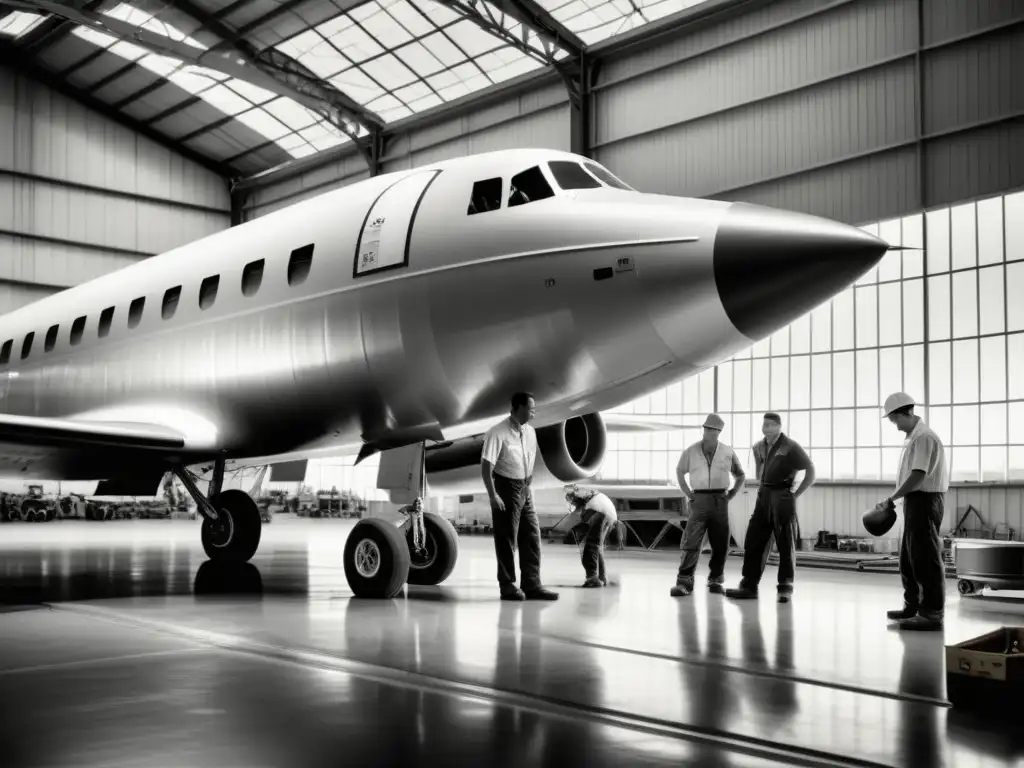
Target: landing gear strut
[[231, 519]]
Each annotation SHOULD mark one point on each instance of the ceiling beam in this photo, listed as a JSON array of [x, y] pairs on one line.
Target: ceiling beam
[[272, 70], [14, 58], [531, 17]]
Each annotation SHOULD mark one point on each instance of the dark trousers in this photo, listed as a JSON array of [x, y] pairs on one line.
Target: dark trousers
[[709, 514], [921, 566], [593, 546], [774, 515], [517, 525]]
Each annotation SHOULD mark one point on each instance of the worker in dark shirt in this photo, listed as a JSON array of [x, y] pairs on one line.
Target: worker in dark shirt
[[777, 459]]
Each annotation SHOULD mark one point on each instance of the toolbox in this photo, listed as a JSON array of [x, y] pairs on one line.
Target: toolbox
[[986, 673]]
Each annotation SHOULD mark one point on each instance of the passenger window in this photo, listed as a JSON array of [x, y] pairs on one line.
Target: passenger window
[[106, 319], [51, 338], [528, 187], [607, 177], [486, 196], [299, 264], [5, 352], [170, 305], [135, 311], [77, 329], [27, 346], [252, 277], [570, 175], [208, 291]]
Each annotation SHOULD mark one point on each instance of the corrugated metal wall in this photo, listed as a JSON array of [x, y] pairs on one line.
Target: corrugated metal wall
[[536, 119], [854, 110], [81, 196]]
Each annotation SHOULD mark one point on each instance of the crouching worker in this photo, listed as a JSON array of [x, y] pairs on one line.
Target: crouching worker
[[598, 512]]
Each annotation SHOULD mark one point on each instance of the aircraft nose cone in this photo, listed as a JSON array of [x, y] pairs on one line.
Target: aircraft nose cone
[[773, 266]]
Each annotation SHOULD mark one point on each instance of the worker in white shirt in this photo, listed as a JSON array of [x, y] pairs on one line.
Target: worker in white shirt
[[711, 465], [598, 512], [922, 483], [509, 453]]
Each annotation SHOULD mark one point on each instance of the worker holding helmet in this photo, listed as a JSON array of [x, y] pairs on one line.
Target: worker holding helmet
[[922, 483]]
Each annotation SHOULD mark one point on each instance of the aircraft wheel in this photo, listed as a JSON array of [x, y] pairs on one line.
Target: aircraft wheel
[[376, 559], [234, 536], [441, 551], [965, 587]]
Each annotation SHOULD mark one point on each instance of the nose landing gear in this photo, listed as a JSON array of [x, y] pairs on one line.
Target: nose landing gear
[[231, 519]]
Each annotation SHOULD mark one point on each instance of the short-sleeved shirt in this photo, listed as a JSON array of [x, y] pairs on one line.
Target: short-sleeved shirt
[[715, 475], [923, 450], [511, 448], [599, 503], [777, 466]]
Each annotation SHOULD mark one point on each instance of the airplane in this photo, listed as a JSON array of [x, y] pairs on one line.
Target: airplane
[[402, 312]]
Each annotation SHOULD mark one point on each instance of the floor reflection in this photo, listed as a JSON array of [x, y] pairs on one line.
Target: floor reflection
[[704, 663]]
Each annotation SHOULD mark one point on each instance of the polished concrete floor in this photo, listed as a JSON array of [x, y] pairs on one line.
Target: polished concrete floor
[[121, 646]]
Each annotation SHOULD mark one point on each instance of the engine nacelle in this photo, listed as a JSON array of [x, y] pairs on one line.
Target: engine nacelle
[[566, 453]]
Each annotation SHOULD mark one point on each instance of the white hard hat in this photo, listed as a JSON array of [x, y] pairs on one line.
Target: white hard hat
[[896, 400]]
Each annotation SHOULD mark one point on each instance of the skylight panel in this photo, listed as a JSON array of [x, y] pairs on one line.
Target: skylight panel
[[379, 24], [290, 113], [419, 59], [230, 96], [410, 18], [99, 39], [441, 47], [471, 39], [357, 85], [389, 72], [412, 92], [442, 79], [252, 93], [390, 115], [226, 100], [436, 12], [356, 44], [320, 136], [519, 66], [19, 23], [127, 50], [315, 52], [191, 79], [264, 124], [426, 102], [453, 92]]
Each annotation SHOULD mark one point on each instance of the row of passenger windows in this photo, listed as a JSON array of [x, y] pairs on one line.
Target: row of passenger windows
[[531, 185], [252, 278]]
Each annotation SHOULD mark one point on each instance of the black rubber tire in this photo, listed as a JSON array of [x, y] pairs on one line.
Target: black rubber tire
[[388, 542], [442, 550], [965, 587], [226, 578], [243, 516]]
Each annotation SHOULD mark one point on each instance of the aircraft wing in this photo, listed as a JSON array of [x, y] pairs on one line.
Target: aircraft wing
[[79, 433]]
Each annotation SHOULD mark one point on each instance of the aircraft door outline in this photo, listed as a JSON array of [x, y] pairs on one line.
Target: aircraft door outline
[[386, 234]]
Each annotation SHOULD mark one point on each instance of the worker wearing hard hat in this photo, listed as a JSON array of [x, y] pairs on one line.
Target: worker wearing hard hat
[[598, 512], [777, 459], [711, 465], [922, 483]]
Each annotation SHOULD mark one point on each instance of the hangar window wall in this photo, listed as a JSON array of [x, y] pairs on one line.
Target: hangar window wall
[[945, 324]]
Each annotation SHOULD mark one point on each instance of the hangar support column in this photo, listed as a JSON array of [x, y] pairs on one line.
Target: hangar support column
[[579, 77]]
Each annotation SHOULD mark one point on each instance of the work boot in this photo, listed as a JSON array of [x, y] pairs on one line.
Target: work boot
[[513, 594], [604, 581], [741, 593], [593, 582], [716, 587], [923, 623], [680, 590], [906, 612], [541, 594]]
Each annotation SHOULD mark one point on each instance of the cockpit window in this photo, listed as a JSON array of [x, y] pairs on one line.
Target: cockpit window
[[486, 196], [570, 175], [529, 187], [607, 177]]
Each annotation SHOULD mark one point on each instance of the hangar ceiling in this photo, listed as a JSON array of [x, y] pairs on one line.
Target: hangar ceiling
[[246, 85]]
